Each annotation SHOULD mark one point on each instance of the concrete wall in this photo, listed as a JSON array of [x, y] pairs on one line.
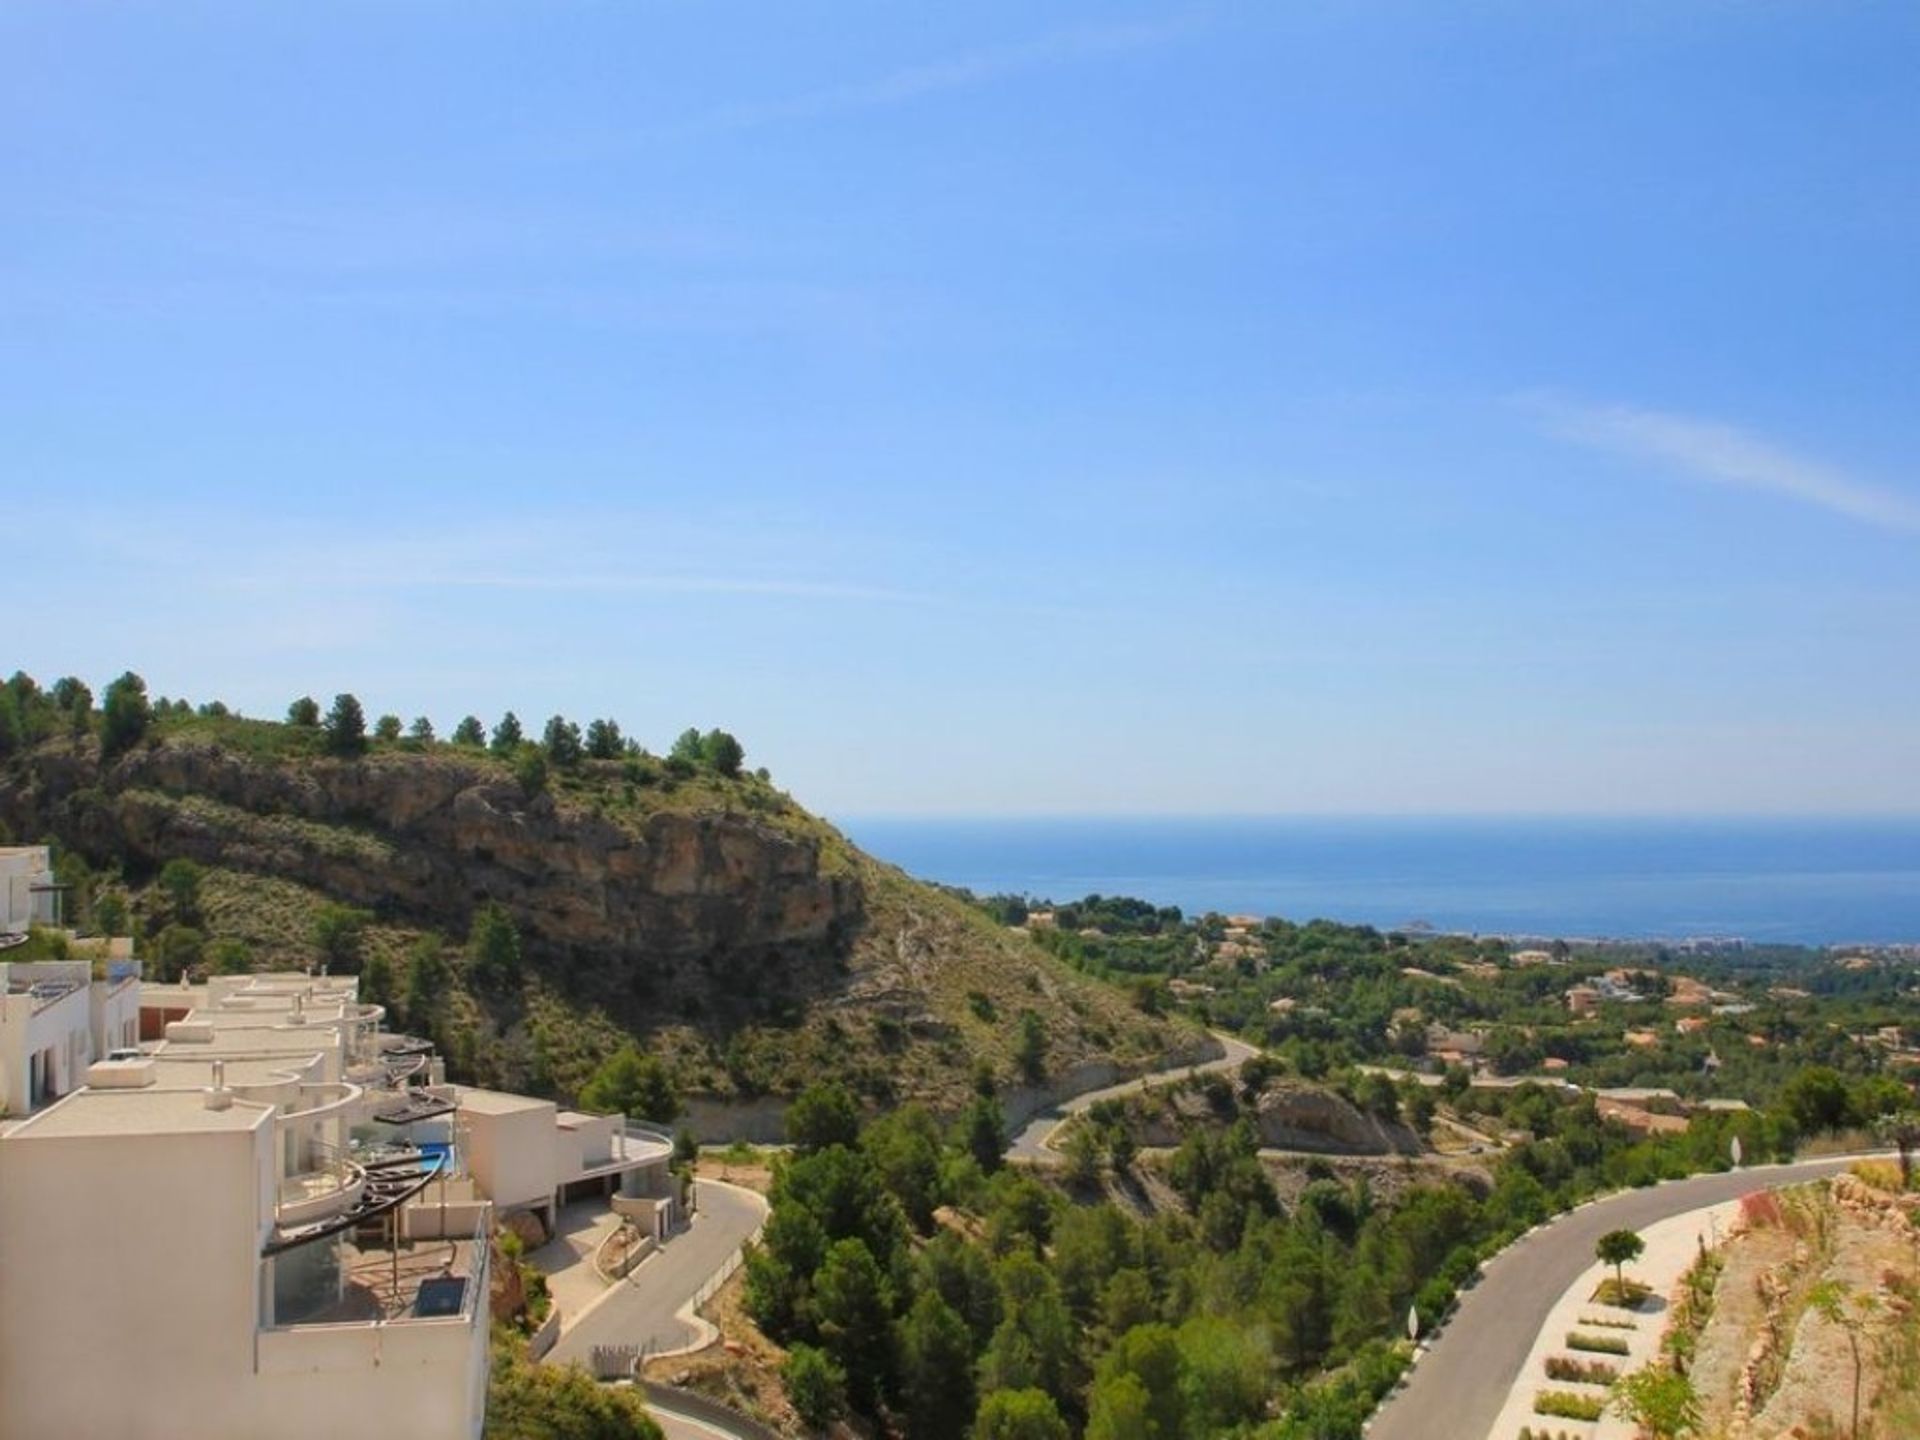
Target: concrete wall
[[511, 1154], [583, 1142], [114, 1012], [319, 1382], [61, 1032], [430, 1220], [131, 1266], [721, 1122], [132, 1300], [21, 868]]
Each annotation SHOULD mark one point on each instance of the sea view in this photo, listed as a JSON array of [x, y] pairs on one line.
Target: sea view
[[1798, 880]]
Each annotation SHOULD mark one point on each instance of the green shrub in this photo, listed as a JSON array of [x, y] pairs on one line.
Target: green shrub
[[1584, 1372], [1596, 1344], [816, 1386], [1565, 1405]]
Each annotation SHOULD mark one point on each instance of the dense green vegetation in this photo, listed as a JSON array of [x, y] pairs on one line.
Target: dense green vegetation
[[528, 1401], [1325, 996], [924, 1286], [901, 995]]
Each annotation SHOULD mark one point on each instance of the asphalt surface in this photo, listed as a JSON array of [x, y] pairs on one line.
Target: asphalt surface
[[1030, 1144], [1457, 1390], [685, 1427], [643, 1309]]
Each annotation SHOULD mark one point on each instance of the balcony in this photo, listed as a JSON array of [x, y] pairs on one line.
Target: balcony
[[312, 1196], [320, 1101], [360, 1283], [343, 1194]]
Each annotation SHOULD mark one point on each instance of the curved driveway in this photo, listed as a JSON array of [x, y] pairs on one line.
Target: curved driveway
[[1457, 1390], [1030, 1144], [644, 1309]]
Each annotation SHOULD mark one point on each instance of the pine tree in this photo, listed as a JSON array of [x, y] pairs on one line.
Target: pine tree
[[345, 729], [507, 735]]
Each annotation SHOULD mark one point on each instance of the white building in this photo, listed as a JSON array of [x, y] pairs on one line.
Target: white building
[[28, 895], [260, 1215], [55, 1021], [209, 1218]]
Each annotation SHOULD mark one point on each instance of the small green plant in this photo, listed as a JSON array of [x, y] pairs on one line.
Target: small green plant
[[1565, 1405], [1622, 1294], [1582, 1372], [1596, 1344], [1605, 1324], [1660, 1401]]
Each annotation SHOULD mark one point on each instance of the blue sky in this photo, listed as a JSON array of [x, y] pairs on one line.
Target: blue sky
[[1129, 408]]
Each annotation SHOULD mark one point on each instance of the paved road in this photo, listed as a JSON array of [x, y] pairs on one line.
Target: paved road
[[1030, 1144], [644, 1308], [1457, 1390], [686, 1427]]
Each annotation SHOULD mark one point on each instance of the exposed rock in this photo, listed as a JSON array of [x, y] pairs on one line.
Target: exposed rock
[[1306, 1118], [1289, 1117], [529, 1226], [427, 839], [506, 1291]]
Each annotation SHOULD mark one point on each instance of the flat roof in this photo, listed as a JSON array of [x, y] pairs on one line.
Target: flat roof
[[497, 1102], [254, 1040], [138, 1112], [182, 1067]]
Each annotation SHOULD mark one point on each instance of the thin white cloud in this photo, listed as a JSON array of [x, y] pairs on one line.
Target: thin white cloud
[[1727, 455], [664, 585], [914, 82]]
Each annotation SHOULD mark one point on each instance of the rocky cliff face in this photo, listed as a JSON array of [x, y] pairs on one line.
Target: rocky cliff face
[[742, 941], [426, 839], [1307, 1118], [1290, 1116]]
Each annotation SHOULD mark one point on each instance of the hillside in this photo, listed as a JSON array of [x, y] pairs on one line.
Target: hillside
[[736, 936]]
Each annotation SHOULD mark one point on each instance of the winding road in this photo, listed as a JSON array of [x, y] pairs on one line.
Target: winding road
[[1030, 1145], [1455, 1393], [645, 1308], [1457, 1390]]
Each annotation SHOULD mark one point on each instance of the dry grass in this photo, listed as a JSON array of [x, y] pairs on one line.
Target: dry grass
[[742, 1370]]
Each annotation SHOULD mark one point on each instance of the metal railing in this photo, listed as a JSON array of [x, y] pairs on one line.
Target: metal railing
[[725, 1273]]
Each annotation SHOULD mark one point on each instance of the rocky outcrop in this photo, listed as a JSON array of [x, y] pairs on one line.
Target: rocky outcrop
[[426, 839], [1286, 1117], [1292, 1117]]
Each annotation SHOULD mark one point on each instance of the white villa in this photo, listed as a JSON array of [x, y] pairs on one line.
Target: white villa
[[240, 1208], [28, 894]]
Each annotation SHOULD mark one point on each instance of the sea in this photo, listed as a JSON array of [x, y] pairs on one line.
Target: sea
[[1796, 881]]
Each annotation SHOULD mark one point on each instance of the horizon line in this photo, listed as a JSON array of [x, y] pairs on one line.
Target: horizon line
[[1214, 816]]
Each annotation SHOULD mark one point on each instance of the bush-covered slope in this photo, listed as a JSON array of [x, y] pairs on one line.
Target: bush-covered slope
[[740, 938]]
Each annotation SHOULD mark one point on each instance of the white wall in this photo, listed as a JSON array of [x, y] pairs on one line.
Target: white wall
[[21, 868], [60, 1031], [131, 1265], [511, 1155], [115, 1012], [133, 1277]]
